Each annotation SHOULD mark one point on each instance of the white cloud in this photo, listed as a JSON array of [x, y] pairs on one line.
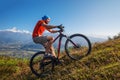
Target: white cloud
[[14, 29]]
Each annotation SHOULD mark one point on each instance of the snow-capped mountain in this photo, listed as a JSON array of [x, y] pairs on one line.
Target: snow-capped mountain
[[14, 36]]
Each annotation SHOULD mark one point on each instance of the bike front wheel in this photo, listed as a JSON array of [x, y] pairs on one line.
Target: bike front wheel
[[77, 46]]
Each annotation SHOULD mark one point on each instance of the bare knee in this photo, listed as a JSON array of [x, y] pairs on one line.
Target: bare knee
[[50, 38]]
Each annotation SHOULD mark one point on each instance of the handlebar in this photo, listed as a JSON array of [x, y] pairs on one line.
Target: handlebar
[[61, 28]]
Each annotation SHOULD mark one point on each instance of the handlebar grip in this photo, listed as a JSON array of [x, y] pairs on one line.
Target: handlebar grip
[[61, 28]]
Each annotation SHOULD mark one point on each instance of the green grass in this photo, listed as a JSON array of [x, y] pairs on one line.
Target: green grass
[[102, 64]]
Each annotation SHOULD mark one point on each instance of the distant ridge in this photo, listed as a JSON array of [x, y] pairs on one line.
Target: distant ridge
[[22, 39]]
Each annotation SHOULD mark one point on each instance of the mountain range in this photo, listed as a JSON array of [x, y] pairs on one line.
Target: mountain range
[[22, 40]]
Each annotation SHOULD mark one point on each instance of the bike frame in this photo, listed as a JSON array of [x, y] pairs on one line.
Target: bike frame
[[60, 36]]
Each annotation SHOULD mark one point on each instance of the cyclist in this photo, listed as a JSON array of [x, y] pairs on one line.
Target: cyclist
[[38, 36]]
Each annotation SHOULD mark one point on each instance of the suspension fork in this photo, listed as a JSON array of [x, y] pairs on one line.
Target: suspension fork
[[68, 38]]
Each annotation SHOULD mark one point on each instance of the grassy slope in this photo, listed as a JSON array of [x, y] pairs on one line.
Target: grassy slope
[[102, 63]]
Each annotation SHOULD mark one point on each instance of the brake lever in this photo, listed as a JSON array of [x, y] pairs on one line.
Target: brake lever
[[61, 28]]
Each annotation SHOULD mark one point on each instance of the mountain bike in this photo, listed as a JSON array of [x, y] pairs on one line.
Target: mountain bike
[[76, 47]]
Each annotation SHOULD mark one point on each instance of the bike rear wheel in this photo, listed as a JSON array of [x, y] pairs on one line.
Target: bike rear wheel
[[41, 66], [77, 46]]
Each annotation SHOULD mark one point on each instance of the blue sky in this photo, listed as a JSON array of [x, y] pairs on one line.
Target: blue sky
[[89, 17]]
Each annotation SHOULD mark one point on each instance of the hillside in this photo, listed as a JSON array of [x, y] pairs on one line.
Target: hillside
[[20, 40], [102, 64]]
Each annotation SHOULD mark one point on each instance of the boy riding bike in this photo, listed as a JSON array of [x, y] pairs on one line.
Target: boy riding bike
[[38, 36]]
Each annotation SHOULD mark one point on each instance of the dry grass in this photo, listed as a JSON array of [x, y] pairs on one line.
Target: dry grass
[[102, 64]]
